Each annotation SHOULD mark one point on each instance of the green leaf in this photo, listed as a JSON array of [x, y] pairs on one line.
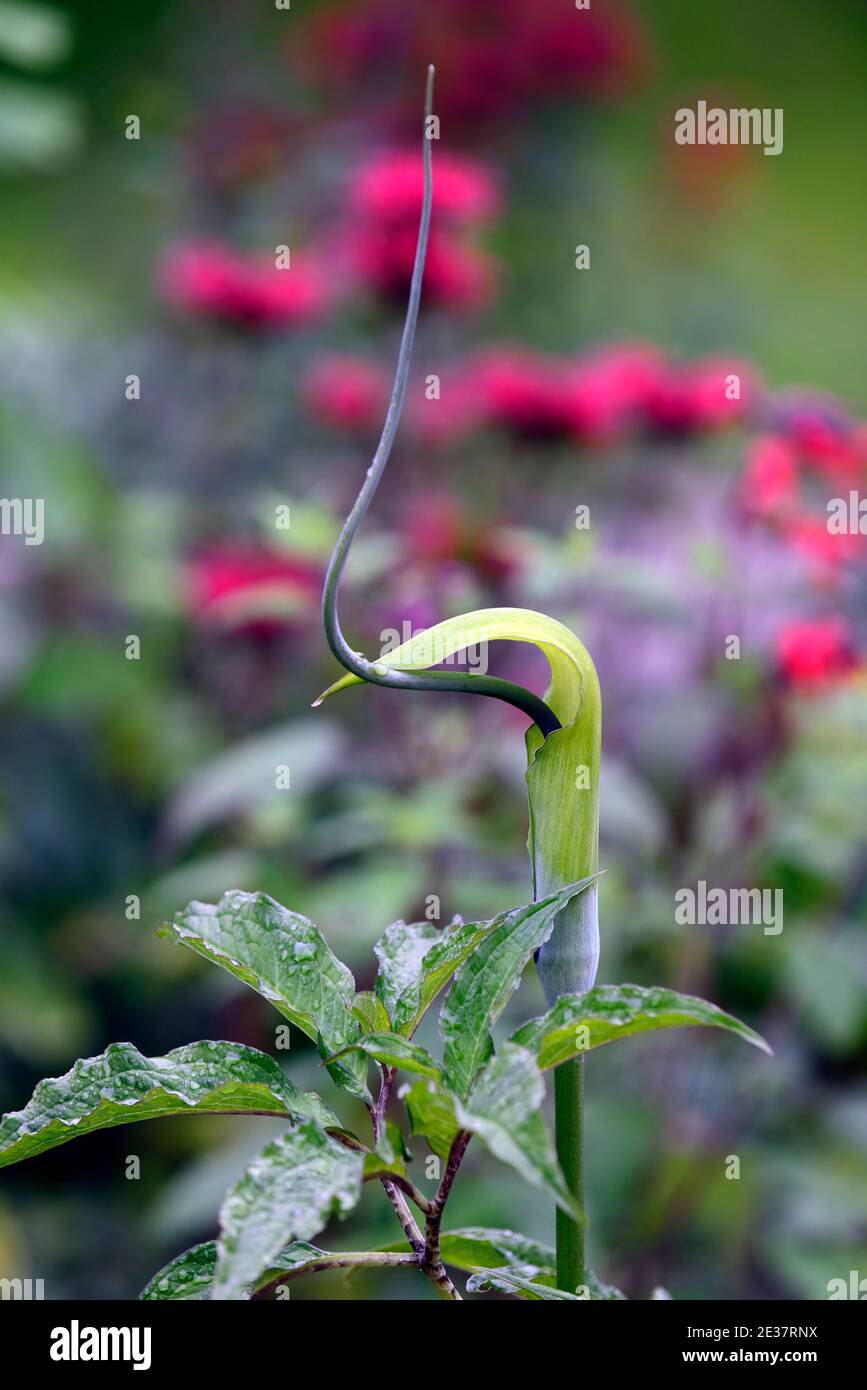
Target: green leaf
[[287, 1194], [400, 952], [505, 1280], [508, 1280], [190, 1276], [285, 958], [594, 1291], [431, 1111], [121, 1086], [389, 1156], [482, 1247], [503, 1110], [490, 975], [609, 1012], [371, 1013], [391, 1050], [474, 1247], [444, 956]]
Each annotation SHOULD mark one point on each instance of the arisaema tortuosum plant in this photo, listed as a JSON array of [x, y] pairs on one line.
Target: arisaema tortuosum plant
[[315, 1167]]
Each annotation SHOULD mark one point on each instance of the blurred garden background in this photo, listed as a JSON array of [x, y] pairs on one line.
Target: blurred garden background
[[170, 393]]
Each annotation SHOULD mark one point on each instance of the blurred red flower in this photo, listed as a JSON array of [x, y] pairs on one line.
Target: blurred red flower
[[597, 398], [436, 532], [456, 276], [814, 654], [214, 281], [705, 395], [494, 58], [823, 551], [389, 189], [251, 587], [769, 486], [610, 389], [523, 391], [384, 205], [349, 393]]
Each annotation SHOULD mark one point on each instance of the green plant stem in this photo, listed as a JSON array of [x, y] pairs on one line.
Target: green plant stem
[[432, 1269], [569, 1139]]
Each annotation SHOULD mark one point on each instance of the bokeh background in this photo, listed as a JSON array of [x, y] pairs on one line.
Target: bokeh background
[[560, 388]]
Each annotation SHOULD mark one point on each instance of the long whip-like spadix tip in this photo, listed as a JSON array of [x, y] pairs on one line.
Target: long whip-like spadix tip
[[462, 681]]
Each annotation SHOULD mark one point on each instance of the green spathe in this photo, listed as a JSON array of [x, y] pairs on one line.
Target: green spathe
[[562, 773]]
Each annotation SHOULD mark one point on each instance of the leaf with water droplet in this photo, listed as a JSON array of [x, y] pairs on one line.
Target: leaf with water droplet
[[189, 1276], [121, 1086], [288, 1193], [579, 1022], [285, 958]]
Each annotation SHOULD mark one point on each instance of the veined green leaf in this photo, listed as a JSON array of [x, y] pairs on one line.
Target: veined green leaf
[[579, 1022], [475, 1247], [400, 951], [287, 1194], [506, 1280], [190, 1276], [489, 976], [445, 955], [121, 1086], [480, 1247], [431, 1111], [371, 1013], [389, 1156], [186, 1278], [503, 1110], [285, 958], [392, 1050]]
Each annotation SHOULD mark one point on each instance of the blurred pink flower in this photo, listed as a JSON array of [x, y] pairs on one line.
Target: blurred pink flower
[[523, 391], [598, 398], [456, 275], [436, 532], [698, 396], [349, 393], [813, 654], [384, 204], [769, 487], [389, 189], [824, 552], [250, 587], [494, 58], [208, 279], [610, 389]]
